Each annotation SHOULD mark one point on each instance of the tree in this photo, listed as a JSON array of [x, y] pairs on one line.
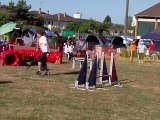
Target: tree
[[4, 18], [78, 26], [11, 5], [103, 28], [21, 10], [107, 20], [74, 26], [90, 26], [20, 14]]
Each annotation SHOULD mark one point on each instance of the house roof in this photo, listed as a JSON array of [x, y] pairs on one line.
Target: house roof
[[116, 27], [63, 17], [37, 12], [152, 12]]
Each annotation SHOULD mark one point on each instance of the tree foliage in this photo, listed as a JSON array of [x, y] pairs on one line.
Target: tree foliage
[[20, 10], [90, 26], [21, 14], [107, 20], [4, 18], [74, 26]]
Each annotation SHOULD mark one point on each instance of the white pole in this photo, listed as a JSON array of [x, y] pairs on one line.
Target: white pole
[[101, 68], [87, 87], [73, 64], [76, 84], [111, 64]]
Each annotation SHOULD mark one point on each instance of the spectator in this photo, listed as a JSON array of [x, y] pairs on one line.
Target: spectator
[[3, 40], [141, 49], [151, 48], [68, 38], [60, 42], [80, 41], [133, 49], [68, 49]]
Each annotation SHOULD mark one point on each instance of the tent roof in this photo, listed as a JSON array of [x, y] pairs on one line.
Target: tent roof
[[97, 39], [117, 41], [66, 33], [154, 36]]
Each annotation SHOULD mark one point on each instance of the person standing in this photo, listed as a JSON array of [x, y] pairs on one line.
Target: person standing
[[133, 49], [44, 47], [68, 39], [70, 51], [151, 48], [60, 42], [141, 49], [3, 41]]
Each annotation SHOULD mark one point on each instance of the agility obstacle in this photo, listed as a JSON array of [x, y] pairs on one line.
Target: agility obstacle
[[81, 80], [18, 57], [104, 77]]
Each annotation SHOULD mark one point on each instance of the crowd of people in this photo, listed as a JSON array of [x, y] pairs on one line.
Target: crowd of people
[[70, 49], [138, 48]]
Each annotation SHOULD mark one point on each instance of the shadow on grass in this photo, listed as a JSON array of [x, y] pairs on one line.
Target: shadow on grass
[[67, 73], [65, 62], [126, 81], [5, 82]]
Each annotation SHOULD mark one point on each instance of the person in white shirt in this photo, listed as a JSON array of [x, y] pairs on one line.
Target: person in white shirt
[[68, 49], [141, 50], [65, 48], [44, 47]]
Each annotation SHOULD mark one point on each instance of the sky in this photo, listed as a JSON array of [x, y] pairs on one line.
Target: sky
[[95, 9]]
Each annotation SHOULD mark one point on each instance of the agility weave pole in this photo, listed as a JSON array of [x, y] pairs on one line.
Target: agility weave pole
[[103, 76], [113, 73], [92, 80], [81, 80], [111, 78], [93, 75], [91, 84]]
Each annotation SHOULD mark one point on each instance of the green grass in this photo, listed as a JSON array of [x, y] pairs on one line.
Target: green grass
[[26, 96]]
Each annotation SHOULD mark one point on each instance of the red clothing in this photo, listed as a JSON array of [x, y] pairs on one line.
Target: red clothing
[[151, 47]]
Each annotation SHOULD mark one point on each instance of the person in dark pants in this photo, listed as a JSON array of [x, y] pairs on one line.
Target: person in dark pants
[[44, 47], [60, 42]]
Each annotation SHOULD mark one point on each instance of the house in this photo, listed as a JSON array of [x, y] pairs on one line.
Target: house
[[115, 29], [148, 20], [59, 20]]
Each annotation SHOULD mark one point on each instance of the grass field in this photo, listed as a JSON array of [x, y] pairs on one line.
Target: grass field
[[27, 96]]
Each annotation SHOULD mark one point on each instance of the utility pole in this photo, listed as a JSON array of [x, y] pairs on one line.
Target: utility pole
[[126, 17]]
